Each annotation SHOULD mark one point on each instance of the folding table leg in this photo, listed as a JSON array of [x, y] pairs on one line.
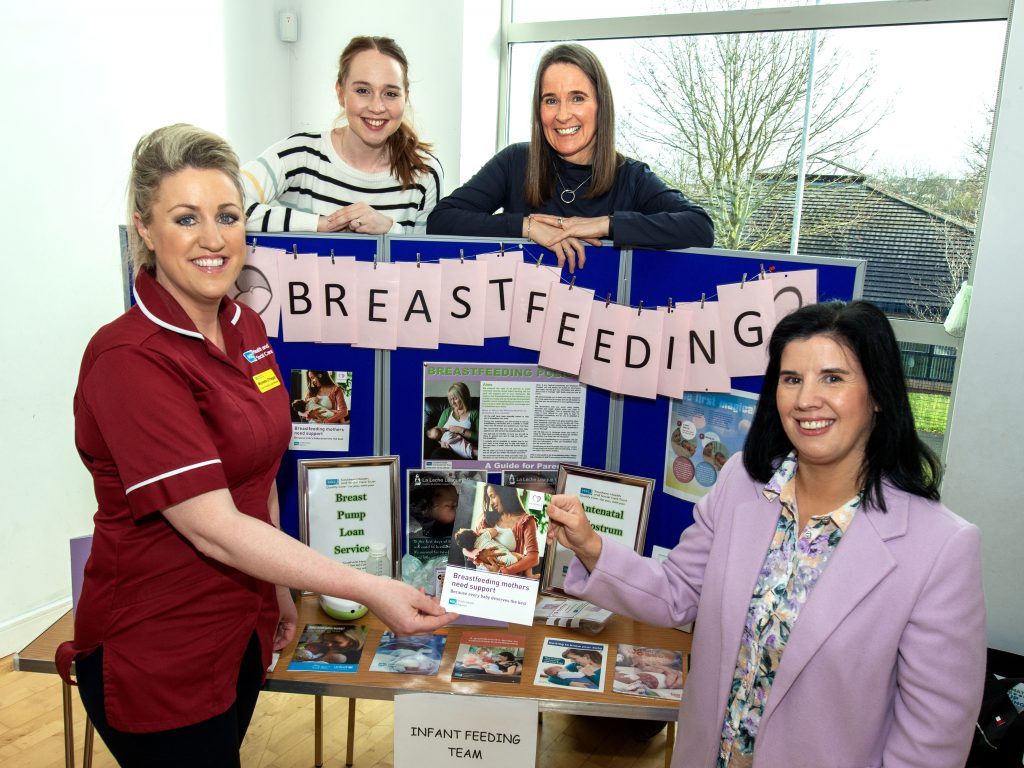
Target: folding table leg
[[87, 749], [670, 740], [318, 730], [351, 741], [69, 727]]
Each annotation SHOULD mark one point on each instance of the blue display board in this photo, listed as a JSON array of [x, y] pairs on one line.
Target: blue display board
[[683, 276], [405, 433], [387, 401], [328, 357]]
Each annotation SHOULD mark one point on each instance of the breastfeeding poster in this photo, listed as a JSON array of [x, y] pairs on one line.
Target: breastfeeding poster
[[704, 430]]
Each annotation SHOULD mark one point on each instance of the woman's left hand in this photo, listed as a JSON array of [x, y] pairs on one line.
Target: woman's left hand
[[362, 219], [569, 526], [289, 618], [590, 230]]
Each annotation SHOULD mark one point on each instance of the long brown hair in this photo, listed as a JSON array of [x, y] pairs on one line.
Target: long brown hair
[[539, 184], [408, 155]]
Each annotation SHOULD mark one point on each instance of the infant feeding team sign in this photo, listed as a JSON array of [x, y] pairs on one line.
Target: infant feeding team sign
[[439, 730]]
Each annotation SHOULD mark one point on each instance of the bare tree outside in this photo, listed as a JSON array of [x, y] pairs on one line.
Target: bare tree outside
[[724, 115], [958, 251]]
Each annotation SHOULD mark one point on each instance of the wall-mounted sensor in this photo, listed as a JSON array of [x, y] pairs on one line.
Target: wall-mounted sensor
[[288, 26]]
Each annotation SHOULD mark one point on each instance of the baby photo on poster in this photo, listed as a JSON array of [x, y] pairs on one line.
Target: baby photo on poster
[[320, 409]]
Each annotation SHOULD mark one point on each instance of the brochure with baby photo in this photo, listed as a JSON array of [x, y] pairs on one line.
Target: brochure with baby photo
[[329, 648], [497, 553], [319, 407], [572, 664], [408, 654], [432, 502], [490, 657], [651, 672]]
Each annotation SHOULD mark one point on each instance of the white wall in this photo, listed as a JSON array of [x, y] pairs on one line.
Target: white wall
[[983, 455], [82, 82]]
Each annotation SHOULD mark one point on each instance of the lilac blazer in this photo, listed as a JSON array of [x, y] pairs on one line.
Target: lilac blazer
[[885, 664]]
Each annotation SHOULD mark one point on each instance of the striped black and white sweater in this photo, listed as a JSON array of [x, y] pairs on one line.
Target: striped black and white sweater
[[297, 180]]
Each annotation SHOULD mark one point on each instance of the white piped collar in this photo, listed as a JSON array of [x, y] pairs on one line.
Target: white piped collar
[[145, 283]]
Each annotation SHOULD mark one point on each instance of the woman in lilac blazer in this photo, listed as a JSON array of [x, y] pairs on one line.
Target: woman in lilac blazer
[[838, 608]]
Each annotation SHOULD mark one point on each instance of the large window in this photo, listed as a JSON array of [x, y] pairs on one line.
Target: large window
[[878, 113]]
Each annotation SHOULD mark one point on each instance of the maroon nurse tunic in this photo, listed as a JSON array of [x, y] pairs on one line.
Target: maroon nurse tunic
[[161, 416]]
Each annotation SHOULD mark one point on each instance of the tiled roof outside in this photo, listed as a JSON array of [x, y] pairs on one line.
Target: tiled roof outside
[[904, 243]]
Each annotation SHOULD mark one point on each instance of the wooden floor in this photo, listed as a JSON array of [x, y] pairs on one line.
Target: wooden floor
[[281, 734]]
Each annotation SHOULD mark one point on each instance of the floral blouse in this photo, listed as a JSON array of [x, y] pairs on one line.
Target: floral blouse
[[791, 568]]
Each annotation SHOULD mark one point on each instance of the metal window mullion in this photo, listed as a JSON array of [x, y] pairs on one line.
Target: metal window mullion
[[840, 16]]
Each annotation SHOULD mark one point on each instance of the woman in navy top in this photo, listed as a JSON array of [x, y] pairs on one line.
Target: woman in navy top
[[568, 185]]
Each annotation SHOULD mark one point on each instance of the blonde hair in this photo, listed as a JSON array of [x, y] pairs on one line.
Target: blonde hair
[[163, 153]]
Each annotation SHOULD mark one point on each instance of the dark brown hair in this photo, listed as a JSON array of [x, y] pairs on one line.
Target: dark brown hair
[[894, 453], [539, 184], [586, 653], [405, 150]]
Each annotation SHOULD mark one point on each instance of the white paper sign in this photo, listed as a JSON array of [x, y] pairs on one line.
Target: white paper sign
[[613, 509], [486, 595], [435, 730], [349, 508]]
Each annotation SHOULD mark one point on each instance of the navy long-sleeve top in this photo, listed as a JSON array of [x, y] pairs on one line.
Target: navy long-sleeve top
[[647, 213]]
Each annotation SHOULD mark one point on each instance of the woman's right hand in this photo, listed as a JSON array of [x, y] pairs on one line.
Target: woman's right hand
[[569, 526], [405, 609]]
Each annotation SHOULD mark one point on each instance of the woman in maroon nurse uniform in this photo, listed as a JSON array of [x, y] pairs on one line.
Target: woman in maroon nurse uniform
[[179, 610]]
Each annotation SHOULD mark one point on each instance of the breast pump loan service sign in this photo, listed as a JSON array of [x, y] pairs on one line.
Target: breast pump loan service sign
[[435, 730]]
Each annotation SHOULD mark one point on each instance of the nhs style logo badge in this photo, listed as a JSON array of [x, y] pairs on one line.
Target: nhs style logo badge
[[331, 481], [585, 492], [255, 355]]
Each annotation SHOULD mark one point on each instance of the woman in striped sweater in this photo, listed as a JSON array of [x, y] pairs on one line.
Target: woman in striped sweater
[[371, 175]]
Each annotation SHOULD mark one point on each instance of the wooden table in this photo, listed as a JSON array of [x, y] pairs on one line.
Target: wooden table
[[38, 657]]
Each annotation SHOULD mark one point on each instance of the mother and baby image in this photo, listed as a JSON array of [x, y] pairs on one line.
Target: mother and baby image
[[320, 396], [452, 421], [495, 532]]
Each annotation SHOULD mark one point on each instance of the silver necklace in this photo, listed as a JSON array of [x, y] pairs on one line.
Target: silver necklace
[[568, 196]]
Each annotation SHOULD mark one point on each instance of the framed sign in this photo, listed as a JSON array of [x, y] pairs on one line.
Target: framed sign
[[617, 506], [345, 505]]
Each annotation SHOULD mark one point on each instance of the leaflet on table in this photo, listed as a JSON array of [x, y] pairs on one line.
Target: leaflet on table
[[574, 614], [433, 499], [329, 648], [497, 553], [494, 658], [501, 416], [319, 407], [704, 430], [408, 654], [650, 672], [571, 664]]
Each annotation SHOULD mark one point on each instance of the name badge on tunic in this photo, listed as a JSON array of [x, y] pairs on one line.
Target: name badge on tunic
[[266, 380]]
